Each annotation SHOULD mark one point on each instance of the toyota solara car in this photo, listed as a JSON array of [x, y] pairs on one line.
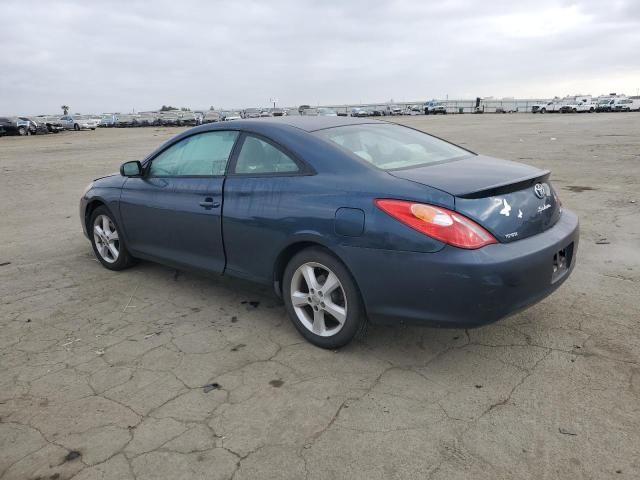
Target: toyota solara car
[[351, 220]]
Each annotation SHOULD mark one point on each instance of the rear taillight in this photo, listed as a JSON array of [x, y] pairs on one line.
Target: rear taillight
[[437, 222]]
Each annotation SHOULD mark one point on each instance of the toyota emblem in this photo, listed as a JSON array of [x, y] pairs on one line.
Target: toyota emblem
[[538, 189]]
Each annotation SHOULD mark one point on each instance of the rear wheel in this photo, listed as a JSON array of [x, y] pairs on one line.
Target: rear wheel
[[76, 127], [543, 110], [322, 299], [108, 245]]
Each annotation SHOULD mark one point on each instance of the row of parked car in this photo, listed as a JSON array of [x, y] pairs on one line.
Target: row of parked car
[[582, 104], [46, 124], [54, 124]]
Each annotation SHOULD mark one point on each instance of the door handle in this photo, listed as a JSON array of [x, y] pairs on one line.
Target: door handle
[[209, 203]]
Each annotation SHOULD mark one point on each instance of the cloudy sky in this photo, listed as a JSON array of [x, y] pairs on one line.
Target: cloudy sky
[[124, 55]]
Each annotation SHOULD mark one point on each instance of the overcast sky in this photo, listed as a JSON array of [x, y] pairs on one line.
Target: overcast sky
[[124, 55]]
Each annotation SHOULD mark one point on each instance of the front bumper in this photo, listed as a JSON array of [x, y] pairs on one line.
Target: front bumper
[[459, 288]]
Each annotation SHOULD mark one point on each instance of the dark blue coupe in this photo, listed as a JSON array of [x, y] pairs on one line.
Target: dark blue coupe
[[351, 220]]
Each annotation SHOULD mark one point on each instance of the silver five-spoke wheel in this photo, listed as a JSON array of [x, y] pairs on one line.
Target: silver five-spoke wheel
[[318, 299], [105, 236]]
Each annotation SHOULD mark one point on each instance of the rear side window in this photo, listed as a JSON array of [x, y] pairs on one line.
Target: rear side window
[[204, 154], [260, 157], [392, 146]]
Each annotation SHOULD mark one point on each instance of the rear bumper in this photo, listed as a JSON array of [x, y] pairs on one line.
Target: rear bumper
[[459, 288]]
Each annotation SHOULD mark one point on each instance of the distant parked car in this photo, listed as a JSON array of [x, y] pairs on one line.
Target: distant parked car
[[78, 122], [580, 106], [635, 103], [551, 107], [188, 119], [309, 112], [252, 113], [211, 116], [359, 112], [22, 123], [622, 105], [605, 105], [278, 112], [395, 110], [50, 122], [14, 126], [433, 108], [327, 112], [231, 116], [108, 120], [35, 127], [125, 120], [379, 111]]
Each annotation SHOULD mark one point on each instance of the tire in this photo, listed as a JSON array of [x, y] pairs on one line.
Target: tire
[[575, 110], [311, 316], [543, 110], [104, 254], [93, 129], [22, 131], [76, 127]]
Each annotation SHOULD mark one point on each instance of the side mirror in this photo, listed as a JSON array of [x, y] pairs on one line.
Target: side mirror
[[131, 169]]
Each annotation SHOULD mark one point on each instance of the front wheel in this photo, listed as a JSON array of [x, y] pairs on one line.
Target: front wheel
[[76, 127], [544, 110], [22, 131], [322, 299], [106, 239]]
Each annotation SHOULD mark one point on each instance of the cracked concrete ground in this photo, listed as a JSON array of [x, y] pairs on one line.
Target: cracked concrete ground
[[102, 373]]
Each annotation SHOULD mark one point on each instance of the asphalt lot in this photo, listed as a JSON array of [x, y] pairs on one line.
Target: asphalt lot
[[102, 373]]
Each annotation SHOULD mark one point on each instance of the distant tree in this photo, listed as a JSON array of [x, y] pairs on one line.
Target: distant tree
[[211, 108], [167, 108], [185, 109], [65, 109]]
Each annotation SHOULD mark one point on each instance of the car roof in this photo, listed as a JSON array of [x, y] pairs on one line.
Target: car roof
[[306, 123]]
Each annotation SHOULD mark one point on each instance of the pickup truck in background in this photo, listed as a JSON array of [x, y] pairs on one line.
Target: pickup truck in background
[[551, 107], [433, 108], [579, 107]]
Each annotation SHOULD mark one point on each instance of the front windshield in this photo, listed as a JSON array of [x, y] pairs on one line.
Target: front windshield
[[392, 146]]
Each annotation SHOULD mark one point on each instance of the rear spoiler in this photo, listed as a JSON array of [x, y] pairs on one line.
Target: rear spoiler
[[508, 187]]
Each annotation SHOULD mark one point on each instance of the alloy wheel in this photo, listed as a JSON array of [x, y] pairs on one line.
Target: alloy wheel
[[106, 238], [318, 299]]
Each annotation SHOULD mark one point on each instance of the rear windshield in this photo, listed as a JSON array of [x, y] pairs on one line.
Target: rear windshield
[[392, 146]]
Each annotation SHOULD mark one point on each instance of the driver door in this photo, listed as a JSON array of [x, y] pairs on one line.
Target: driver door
[[172, 213]]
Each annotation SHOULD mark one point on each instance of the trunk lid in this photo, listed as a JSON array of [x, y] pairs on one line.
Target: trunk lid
[[511, 200]]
